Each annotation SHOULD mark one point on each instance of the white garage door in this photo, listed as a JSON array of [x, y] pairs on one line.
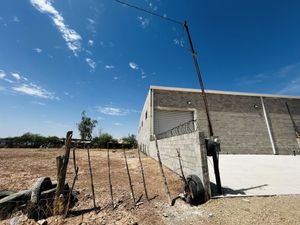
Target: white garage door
[[165, 120]]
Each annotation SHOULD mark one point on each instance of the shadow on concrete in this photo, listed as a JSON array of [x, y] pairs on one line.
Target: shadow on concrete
[[229, 191]]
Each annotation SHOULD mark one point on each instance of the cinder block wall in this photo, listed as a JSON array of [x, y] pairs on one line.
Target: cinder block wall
[[239, 121], [193, 154]]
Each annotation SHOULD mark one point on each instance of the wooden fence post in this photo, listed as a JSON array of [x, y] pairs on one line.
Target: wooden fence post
[[129, 177], [162, 172], [109, 179], [143, 176], [91, 176], [62, 165]]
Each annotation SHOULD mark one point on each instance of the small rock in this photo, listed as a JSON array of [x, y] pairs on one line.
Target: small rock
[[165, 214], [245, 200], [210, 215], [42, 222]]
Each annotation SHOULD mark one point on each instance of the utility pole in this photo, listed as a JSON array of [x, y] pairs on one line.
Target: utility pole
[[211, 133]]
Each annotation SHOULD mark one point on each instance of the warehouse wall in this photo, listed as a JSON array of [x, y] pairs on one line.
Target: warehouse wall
[[239, 121], [143, 136], [193, 154]]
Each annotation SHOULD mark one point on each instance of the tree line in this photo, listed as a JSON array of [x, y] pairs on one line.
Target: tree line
[[85, 127]]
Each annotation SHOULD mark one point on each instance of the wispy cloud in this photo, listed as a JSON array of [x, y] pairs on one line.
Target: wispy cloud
[[292, 87], [118, 124], [116, 78], [286, 79], [289, 70], [71, 37], [34, 90], [38, 50], [21, 85], [109, 67], [133, 66], [179, 42], [256, 79], [9, 80], [91, 25], [90, 42], [143, 76], [16, 19], [2, 74], [91, 63], [16, 76], [144, 22], [38, 103], [152, 6], [114, 111]]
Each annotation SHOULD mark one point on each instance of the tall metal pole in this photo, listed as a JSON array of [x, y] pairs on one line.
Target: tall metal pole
[[211, 132]]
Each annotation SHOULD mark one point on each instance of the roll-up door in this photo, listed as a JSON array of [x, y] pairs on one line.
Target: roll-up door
[[165, 120]]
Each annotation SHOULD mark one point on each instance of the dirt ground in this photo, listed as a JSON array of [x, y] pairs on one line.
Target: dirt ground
[[19, 168]]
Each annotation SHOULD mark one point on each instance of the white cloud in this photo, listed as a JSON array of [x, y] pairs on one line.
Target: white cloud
[[118, 124], [16, 76], [116, 78], [108, 67], [38, 103], [2, 74], [144, 22], [90, 42], [71, 37], [91, 25], [16, 19], [91, 63], [133, 66], [38, 50], [114, 111], [292, 87], [9, 80], [143, 77], [34, 90]]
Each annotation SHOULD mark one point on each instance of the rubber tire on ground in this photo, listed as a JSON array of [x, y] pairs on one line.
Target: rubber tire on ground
[[197, 190]]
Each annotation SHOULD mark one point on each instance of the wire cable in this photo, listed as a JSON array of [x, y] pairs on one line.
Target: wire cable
[[149, 12]]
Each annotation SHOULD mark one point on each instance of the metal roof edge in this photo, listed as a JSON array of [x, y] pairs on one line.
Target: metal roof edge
[[221, 92]]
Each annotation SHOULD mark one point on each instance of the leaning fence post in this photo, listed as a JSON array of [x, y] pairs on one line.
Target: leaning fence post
[[62, 165], [109, 179], [129, 177], [143, 176], [91, 176], [162, 172]]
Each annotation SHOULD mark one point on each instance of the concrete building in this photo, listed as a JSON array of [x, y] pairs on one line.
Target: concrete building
[[245, 123]]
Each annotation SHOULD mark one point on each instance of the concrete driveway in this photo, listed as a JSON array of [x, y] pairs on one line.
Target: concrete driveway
[[258, 174]]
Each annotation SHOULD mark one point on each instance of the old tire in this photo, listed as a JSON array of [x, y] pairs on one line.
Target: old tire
[[41, 184], [196, 188]]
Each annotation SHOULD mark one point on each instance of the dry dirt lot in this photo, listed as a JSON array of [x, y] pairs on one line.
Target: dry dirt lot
[[19, 168]]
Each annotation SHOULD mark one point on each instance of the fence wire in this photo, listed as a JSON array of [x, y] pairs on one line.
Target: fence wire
[[185, 128]]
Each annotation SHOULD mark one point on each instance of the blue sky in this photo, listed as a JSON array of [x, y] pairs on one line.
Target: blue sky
[[58, 58]]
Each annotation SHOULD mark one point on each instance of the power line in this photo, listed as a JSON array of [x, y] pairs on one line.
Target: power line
[[149, 12]]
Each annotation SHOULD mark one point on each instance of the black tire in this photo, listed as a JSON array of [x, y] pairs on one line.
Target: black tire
[[41, 184], [197, 193]]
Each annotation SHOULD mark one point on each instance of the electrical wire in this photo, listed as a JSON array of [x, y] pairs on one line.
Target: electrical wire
[[149, 12]]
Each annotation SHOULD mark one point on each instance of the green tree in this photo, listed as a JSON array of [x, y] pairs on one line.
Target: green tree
[[86, 127], [131, 139], [103, 139]]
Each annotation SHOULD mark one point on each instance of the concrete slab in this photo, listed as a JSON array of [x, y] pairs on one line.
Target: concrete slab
[[258, 174]]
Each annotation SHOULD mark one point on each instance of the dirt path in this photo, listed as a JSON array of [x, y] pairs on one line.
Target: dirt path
[[19, 168]]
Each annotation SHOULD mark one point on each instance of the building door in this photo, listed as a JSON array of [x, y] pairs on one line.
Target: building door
[[165, 120]]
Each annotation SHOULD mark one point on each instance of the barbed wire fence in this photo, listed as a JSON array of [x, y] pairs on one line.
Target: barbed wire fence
[[184, 128]]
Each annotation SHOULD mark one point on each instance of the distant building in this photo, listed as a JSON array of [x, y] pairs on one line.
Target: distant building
[[246, 123]]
